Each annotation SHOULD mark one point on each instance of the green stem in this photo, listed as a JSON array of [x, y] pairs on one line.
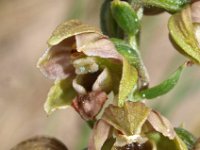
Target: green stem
[[142, 71], [134, 41]]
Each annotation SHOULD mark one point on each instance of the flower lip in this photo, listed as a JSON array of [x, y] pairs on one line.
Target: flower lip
[[89, 105]]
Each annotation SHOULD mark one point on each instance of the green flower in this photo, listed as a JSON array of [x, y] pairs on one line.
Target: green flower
[[134, 126], [184, 28], [85, 67]]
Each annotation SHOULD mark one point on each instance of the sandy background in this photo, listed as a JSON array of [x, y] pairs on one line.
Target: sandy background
[[24, 28]]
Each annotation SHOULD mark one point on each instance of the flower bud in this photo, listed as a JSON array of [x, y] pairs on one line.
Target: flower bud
[[125, 16]]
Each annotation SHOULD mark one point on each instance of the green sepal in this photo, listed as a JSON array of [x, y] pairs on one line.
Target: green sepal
[[182, 33], [128, 82], [128, 119], [161, 142], [163, 88], [169, 5], [68, 29], [125, 17], [186, 137], [108, 24], [60, 95]]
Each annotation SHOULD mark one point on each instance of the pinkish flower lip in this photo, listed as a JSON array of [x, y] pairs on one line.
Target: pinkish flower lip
[[89, 105]]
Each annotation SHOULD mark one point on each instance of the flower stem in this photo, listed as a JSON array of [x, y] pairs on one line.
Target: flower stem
[[142, 71]]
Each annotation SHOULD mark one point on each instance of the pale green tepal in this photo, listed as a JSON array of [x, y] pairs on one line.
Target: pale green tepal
[[184, 28]]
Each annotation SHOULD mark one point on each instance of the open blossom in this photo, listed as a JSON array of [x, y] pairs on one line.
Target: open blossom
[[85, 67], [134, 126]]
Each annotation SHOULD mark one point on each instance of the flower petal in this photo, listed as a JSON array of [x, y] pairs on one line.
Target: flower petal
[[89, 105], [99, 135], [55, 62], [103, 82], [78, 87], [161, 124], [86, 38], [101, 46]]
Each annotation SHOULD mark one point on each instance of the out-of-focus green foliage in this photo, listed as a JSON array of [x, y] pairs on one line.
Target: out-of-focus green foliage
[[187, 137]]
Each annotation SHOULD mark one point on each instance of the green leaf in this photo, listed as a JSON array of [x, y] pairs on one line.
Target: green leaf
[[186, 137], [162, 88], [169, 5], [182, 33], [60, 95], [127, 83], [128, 119], [108, 25], [125, 16], [161, 142]]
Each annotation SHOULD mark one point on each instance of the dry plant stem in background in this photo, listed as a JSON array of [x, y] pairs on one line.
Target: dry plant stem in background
[[101, 74]]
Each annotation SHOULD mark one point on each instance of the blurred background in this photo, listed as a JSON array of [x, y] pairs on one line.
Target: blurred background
[[24, 29]]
